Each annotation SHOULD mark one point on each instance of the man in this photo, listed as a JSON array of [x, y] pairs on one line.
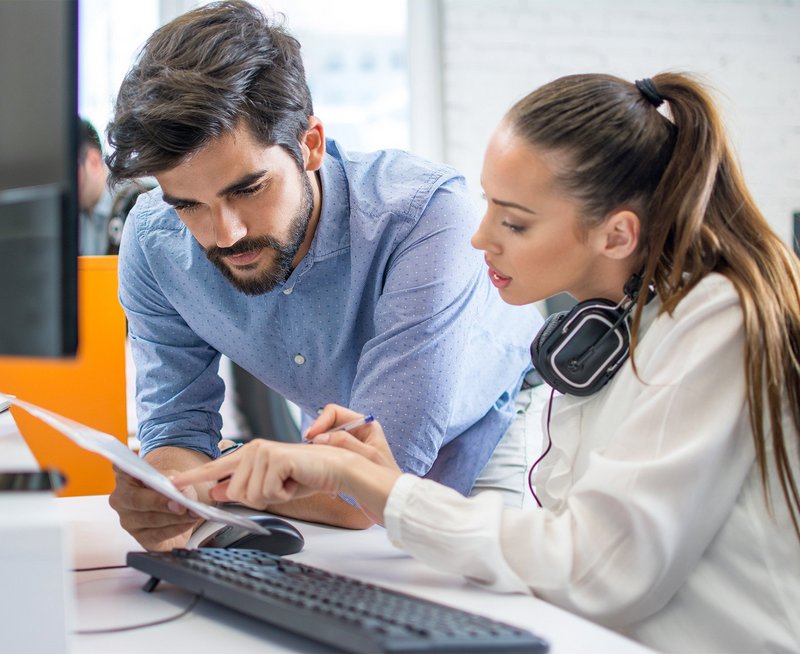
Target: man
[[102, 212], [94, 197], [331, 277]]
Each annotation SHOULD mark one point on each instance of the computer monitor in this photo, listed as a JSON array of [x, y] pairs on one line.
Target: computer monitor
[[38, 177]]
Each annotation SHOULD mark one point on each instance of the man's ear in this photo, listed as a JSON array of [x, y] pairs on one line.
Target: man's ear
[[94, 158], [618, 237], [313, 144]]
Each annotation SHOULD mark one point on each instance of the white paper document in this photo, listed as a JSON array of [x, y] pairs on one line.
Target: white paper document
[[113, 450]]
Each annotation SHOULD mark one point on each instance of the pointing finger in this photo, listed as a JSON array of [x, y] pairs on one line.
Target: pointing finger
[[212, 471]]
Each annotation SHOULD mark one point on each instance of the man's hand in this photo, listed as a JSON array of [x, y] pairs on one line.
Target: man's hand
[[158, 524]]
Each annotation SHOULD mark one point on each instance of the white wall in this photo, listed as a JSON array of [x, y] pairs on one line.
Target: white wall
[[495, 51]]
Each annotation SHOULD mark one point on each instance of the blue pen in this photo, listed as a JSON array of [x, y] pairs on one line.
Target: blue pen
[[358, 422]]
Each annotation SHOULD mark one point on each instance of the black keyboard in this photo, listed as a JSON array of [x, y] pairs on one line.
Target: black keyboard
[[340, 611]]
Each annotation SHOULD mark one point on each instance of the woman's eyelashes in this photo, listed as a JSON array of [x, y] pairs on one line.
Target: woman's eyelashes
[[513, 227]]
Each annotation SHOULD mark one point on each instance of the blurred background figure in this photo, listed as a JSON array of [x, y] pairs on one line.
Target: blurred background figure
[[94, 196], [103, 209]]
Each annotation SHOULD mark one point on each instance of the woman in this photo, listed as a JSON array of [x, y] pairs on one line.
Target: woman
[[669, 494]]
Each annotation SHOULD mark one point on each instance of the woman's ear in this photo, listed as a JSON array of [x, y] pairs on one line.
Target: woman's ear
[[619, 234], [313, 144]]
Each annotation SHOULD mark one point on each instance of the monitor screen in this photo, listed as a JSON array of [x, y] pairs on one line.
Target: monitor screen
[[38, 177]]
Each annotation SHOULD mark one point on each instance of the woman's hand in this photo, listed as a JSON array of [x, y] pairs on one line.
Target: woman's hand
[[367, 441], [266, 472]]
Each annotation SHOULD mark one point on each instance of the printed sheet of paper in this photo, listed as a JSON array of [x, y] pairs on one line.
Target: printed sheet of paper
[[113, 450]]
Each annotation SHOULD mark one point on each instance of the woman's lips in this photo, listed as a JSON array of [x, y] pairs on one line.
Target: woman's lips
[[500, 281]]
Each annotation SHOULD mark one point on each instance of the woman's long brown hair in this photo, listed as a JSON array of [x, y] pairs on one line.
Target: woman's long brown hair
[[697, 217]]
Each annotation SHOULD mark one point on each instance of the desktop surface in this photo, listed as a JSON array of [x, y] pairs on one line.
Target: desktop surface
[[107, 598]]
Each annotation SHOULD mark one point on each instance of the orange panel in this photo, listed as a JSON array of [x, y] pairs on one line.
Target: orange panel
[[89, 388]]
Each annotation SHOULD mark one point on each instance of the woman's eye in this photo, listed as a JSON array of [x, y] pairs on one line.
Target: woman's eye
[[516, 229]]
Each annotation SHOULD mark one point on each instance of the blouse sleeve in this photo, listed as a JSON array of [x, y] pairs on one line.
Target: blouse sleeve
[[646, 504]]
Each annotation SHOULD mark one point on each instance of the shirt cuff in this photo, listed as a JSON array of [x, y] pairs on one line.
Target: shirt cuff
[[395, 507], [203, 445]]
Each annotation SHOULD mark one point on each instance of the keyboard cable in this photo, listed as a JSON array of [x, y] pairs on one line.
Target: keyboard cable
[[132, 627]]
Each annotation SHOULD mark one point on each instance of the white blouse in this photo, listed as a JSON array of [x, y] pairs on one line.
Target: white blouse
[[654, 519]]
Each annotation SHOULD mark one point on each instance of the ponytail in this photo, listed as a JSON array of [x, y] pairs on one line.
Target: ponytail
[[703, 219]]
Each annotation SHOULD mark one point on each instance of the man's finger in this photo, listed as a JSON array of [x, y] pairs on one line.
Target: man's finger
[[125, 478], [138, 521], [164, 539]]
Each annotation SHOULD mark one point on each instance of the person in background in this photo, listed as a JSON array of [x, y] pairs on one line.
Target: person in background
[[94, 196], [331, 276], [103, 210], [669, 488]]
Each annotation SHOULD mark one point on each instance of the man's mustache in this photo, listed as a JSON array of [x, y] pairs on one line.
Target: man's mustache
[[215, 253]]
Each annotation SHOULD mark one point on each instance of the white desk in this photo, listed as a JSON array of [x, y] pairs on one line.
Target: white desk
[[114, 597]]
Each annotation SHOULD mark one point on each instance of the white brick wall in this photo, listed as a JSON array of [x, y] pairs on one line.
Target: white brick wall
[[495, 51]]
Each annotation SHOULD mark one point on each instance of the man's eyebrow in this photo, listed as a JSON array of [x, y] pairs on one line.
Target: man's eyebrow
[[171, 199], [238, 185], [513, 205], [242, 183]]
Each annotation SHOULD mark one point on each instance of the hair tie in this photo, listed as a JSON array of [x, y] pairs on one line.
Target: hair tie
[[649, 91]]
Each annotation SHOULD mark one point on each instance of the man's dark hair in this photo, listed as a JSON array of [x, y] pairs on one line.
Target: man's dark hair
[[197, 78], [88, 139]]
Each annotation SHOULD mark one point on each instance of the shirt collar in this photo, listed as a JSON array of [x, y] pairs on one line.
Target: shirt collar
[[333, 227]]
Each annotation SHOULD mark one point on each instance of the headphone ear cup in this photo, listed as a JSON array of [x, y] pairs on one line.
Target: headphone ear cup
[[540, 347], [578, 351]]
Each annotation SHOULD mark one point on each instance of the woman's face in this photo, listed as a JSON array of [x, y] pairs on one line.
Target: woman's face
[[530, 234]]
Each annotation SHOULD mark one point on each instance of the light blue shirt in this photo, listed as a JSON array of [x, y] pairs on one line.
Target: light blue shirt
[[390, 312]]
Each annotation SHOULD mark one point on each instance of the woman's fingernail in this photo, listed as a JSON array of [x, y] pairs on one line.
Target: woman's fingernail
[[322, 438], [173, 506]]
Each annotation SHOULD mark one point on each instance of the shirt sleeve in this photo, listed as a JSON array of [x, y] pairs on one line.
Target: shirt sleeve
[[409, 372], [649, 502], [178, 390]]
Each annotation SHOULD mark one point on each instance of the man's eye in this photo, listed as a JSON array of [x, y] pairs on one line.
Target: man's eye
[[185, 208], [250, 190]]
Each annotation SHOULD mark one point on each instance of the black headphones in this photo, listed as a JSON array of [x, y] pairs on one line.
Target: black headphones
[[578, 351]]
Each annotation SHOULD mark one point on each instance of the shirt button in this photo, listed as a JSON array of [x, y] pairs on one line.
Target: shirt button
[[299, 359], [288, 290]]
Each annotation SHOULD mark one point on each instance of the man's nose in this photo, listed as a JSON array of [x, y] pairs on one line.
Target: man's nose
[[228, 227]]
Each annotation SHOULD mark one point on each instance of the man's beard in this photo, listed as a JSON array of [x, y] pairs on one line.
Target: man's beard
[[281, 266]]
